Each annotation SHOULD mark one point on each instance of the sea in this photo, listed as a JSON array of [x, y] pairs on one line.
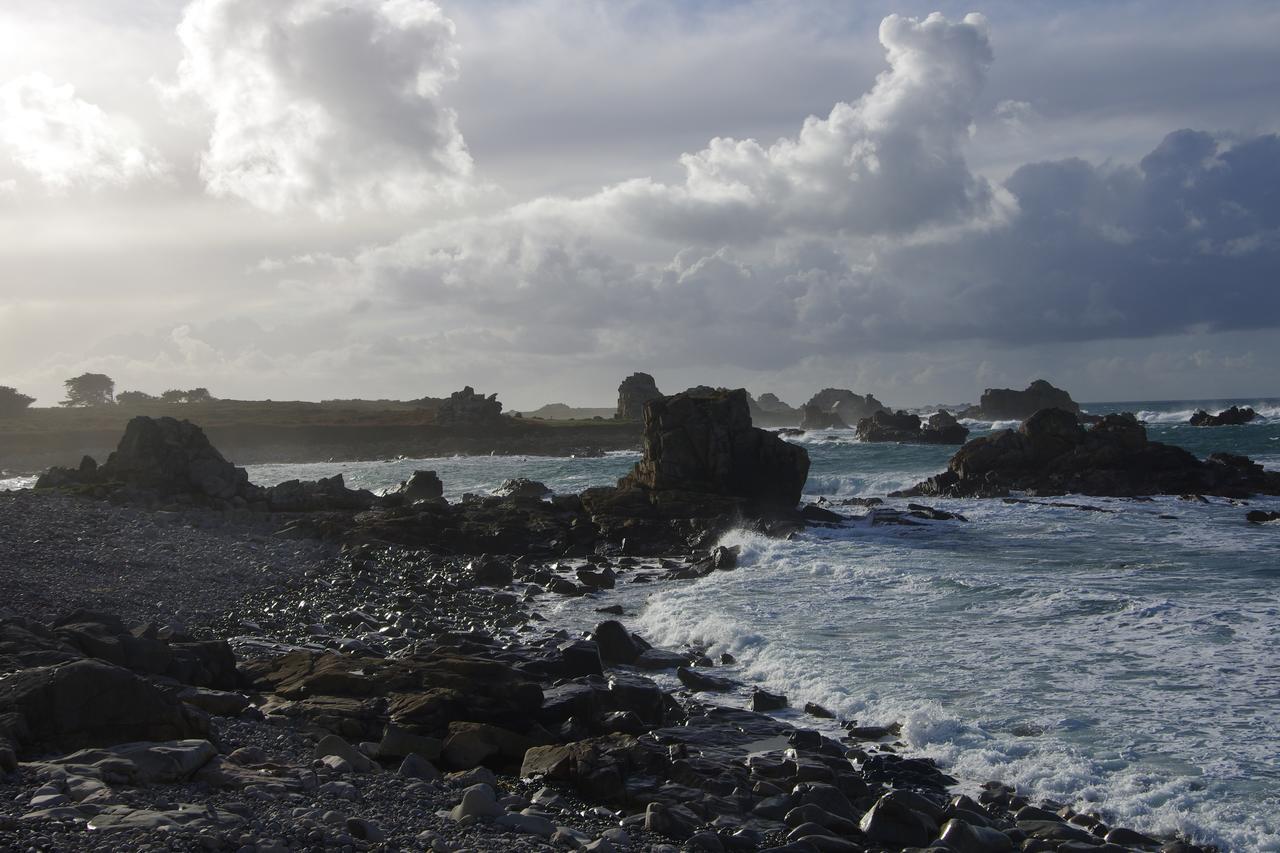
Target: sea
[[1123, 656]]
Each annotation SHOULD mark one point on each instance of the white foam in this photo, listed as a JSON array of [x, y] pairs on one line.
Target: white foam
[[17, 483]]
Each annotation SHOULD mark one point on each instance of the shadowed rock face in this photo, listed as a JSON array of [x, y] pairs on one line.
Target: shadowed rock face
[[173, 457], [1052, 454], [941, 428], [636, 390], [697, 443], [846, 406], [1002, 404], [1234, 416], [769, 411]]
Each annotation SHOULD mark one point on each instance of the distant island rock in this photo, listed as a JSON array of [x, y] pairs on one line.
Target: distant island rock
[[906, 428], [769, 411], [467, 408], [1052, 453], [1007, 404], [636, 390], [837, 408], [1234, 416], [565, 412]]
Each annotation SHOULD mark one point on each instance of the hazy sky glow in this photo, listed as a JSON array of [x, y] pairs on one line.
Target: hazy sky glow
[[390, 198]]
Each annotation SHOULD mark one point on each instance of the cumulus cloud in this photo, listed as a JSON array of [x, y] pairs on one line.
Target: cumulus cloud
[[66, 142], [867, 231], [325, 104]]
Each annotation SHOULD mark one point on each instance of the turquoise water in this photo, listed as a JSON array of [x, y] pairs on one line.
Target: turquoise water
[[1119, 658]]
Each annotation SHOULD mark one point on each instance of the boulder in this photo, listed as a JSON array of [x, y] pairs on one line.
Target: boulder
[[1053, 454], [421, 487], [327, 493], [904, 427], [1006, 404], [636, 390], [1234, 416], [522, 487], [706, 444], [88, 703]]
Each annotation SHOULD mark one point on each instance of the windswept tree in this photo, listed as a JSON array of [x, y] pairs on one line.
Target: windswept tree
[[199, 395], [173, 395], [13, 402], [133, 398], [90, 389]]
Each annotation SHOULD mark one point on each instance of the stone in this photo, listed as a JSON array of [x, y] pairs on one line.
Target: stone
[[904, 427], [414, 766], [842, 405], [615, 642], [581, 657], [467, 408], [1006, 404], [1234, 416], [421, 487], [400, 743], [660, 659], [701, 682], [636, 390], [526, 824], [332, 745], [522, 487], [487, 570], [365, 830], [965, 838], [478, 801], [813, 709], [471, 744], [1258, 516], [325, 494], [894, 825], [764, 701], [88, 703], [671, 821], [706, 444], [220, 703]]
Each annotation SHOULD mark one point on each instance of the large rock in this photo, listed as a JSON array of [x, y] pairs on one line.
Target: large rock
[[1004, 404], [327, 493], [1234, 416], [769, 411], [904, 427], [1052, 454], [815, 417], [467, 408], [706, 444], [844, 404], [636, 390], [88, 703]]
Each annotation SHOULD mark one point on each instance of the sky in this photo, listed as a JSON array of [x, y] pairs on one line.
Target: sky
[[311, 199]]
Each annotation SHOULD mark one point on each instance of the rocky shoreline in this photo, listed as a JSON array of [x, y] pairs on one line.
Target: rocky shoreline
[[185, 665]]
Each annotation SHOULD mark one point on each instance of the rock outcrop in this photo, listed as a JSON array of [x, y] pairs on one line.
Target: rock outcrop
[[467, 408], [636, 390], [906, 428], [1053, 454], [847, 406], [1006, 404], [707, 444], [813, 417], [163, 461], [1234, 416], [769, 411]]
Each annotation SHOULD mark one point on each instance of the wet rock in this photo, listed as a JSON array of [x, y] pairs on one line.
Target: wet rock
[[701, 682], [671, 821], [1258, 516], [615, 642], [906, 428], [964, 838], [764, 701], [1234, 416], [661, 659], [893, 824], [581, 657], [522, 487], [421, 487], [813, 709]]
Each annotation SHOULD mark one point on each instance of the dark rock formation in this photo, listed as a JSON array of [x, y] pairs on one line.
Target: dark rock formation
[[1234, 416], [467, 408], [707, 444], [941, 428], [422, 486], [769, 411], [327, 493], [813, 417], [844, 404], [1052, 454], [636, 390], [522, 487], [1004, 404]]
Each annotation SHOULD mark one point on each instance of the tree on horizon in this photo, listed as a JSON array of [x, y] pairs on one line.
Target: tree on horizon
[[89, 389], [13, 402]]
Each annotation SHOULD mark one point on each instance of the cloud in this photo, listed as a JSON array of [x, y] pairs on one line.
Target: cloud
[[325, 104], [66, 142]]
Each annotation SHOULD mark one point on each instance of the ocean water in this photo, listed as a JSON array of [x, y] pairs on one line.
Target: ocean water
[[1119, 660]]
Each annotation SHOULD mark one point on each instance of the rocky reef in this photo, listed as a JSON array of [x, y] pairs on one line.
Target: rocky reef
[[1234, 416], [906, 428], [838, 407], [1051, 453], [1006, 404], [636, 390]]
